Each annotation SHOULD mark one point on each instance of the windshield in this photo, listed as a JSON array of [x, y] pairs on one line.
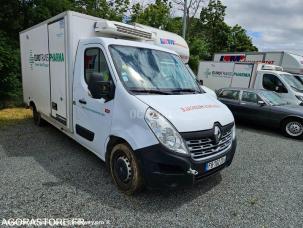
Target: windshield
[[293, 82], [300, 78], [272, 98], [152, 71]]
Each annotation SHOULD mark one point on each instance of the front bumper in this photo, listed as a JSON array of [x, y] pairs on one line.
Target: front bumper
[[165, 169]]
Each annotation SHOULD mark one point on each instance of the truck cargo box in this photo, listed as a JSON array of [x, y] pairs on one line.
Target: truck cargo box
[[290, 62]]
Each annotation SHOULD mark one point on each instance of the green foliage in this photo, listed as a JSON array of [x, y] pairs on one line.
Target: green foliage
[[199, 49], [156, 15], [113, 10], [40, 10], [239, 41], [9, 69], [213, 26], [9, 21], [174, 25]]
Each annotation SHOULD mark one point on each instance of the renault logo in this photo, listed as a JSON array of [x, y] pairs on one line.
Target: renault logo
[[217, 134]]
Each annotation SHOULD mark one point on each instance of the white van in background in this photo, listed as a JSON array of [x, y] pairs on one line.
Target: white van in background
[[290, 62], [123, 92], [217, 75]]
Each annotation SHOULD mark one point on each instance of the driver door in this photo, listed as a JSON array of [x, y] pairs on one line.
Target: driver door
[[251, 110], [91, 116], [273, 83]]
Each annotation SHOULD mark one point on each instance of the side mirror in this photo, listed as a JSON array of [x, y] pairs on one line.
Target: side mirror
[[99, 88], [261, 103], [201, 82]]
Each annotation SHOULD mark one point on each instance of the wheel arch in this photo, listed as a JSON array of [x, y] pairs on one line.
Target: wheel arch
[[282, 122], [112, 141]]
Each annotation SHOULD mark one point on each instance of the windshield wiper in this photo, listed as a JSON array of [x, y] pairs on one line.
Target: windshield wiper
[[152, 91], [185, 91]]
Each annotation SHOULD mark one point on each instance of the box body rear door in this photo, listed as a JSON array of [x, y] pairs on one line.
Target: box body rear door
[[57, 68]]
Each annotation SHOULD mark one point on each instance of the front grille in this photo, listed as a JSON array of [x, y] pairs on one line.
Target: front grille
[[133, 31], [205, 148]]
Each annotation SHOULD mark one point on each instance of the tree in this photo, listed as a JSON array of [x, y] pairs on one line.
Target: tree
[[10, 22], [174, 25], [17, 15], [199, 49], [9, 69], [239, 41], [191, 8], [113, 10], [214, 27], [156, 15]]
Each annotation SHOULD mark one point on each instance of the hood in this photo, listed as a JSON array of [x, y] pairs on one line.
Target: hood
[[190, 112]]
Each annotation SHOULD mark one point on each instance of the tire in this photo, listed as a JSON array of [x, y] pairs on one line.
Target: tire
[[125, 169], [293, 128], [37, 118]]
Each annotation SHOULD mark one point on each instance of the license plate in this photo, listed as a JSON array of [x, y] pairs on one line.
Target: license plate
[[215, 163]]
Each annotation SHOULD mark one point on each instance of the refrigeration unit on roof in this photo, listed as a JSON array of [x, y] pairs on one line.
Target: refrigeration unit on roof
[[121, 29]]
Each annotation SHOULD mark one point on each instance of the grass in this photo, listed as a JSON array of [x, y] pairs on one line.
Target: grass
[[9, 116]]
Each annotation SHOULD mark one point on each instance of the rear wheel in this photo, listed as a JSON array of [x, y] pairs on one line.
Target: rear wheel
[[125, 169], [293, 128], [37, 117]]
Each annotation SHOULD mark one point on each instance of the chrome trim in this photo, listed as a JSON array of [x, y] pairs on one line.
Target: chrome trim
[[206, 148]]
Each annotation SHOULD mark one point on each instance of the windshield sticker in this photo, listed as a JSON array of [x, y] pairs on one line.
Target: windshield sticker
[[196, 107]]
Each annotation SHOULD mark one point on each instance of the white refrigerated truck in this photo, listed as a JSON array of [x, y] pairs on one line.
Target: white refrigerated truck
[[123, 92], [217, 75], [292, 63]]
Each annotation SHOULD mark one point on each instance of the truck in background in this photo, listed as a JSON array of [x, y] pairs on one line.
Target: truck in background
[[123, 92], [291, 63], [217, 75]]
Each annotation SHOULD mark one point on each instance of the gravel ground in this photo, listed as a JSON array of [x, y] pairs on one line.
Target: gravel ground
[[43, 173]]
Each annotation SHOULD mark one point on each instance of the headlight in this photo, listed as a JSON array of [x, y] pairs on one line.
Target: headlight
[[165, 132], [234, 131], [300, 98]]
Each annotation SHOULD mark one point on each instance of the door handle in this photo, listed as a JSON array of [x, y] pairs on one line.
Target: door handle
[[82, 101]]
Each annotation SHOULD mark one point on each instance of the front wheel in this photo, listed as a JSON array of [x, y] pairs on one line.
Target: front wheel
[[293, 128], [125, 169]]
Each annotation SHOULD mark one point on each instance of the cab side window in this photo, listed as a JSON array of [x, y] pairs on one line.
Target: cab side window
[[230, 94], [250, 97], [95, 68], [273, 83]]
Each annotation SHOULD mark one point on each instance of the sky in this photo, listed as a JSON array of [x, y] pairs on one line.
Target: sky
[[273, 24]]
